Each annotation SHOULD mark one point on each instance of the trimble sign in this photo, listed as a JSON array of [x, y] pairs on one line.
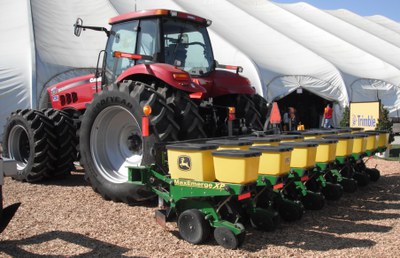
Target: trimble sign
[[364, 114]]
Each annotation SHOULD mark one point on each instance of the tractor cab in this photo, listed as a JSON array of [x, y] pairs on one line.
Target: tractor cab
[[156, 36], [180, 40], [159, 36]]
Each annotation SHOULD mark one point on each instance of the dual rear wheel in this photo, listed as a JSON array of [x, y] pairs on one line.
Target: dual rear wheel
[[42, 143]]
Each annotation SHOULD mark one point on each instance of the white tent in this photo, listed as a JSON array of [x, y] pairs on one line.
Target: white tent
[[386, 22], [17, 65], [376, 29], [38, 47], [363, 57]]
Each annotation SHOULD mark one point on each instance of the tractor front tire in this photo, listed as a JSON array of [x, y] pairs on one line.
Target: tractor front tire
[[29, 139], [110, 138]]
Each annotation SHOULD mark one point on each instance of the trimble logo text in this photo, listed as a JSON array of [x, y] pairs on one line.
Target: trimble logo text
[[360, 120]]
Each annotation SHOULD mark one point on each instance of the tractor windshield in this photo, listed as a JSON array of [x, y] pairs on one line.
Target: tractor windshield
[[187, 46], [134, 38]]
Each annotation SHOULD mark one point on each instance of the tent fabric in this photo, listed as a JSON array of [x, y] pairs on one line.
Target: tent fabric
[[265, 45], [17, 67], [348, 32], [335, 54], [57, 49], [374, 90], [367, 25], [346, 51], [355, 52], [386, 22]]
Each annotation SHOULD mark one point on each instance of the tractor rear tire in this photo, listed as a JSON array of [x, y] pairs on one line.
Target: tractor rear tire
[[248, 107], [29, 139], [186, 113], [263, 108], [65, 131], [110, 138]]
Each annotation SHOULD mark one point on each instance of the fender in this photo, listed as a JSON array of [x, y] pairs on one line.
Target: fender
[[73, 93], [171, 75], [220, 83]]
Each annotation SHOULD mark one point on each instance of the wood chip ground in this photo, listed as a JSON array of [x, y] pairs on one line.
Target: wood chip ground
[[67, 219]]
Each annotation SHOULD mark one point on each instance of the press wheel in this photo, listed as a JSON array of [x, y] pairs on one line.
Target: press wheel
[[193, 227], [226, 238]]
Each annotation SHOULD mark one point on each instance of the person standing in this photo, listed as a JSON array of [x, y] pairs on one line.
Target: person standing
[[328, 112], [290, 120]]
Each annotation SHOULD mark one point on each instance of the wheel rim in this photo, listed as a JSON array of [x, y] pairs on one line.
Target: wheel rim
[[18, 146], [116, 143]]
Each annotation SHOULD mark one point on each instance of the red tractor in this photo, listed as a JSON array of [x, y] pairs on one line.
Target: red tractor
[[157, 58]]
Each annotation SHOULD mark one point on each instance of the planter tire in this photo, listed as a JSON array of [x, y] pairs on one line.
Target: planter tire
[[289, 210], [374, 174], [193, 227], [226, 238], [313, 201], [349, 185], [361, 178]]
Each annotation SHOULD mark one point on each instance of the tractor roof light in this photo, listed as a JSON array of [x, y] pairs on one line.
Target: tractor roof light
[[147, 110], [181, 76], [119, 54]]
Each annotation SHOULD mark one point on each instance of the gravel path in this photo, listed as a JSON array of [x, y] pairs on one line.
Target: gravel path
[[66, 218]]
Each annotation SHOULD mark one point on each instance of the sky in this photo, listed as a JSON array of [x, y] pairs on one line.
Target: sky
[[388, 8]]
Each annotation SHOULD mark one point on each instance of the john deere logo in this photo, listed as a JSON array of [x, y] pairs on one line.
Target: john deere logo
[[184, 163]]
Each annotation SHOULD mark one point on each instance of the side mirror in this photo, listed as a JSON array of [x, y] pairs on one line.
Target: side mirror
[[78, 27]]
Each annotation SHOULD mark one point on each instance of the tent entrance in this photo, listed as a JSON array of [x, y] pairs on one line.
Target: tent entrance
[[309, 107]]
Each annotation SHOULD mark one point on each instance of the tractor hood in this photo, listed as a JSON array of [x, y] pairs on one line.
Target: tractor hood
[[171, 75], [220, 82]]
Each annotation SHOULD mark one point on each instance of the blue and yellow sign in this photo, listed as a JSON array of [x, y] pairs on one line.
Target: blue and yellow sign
[[364, 114]]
